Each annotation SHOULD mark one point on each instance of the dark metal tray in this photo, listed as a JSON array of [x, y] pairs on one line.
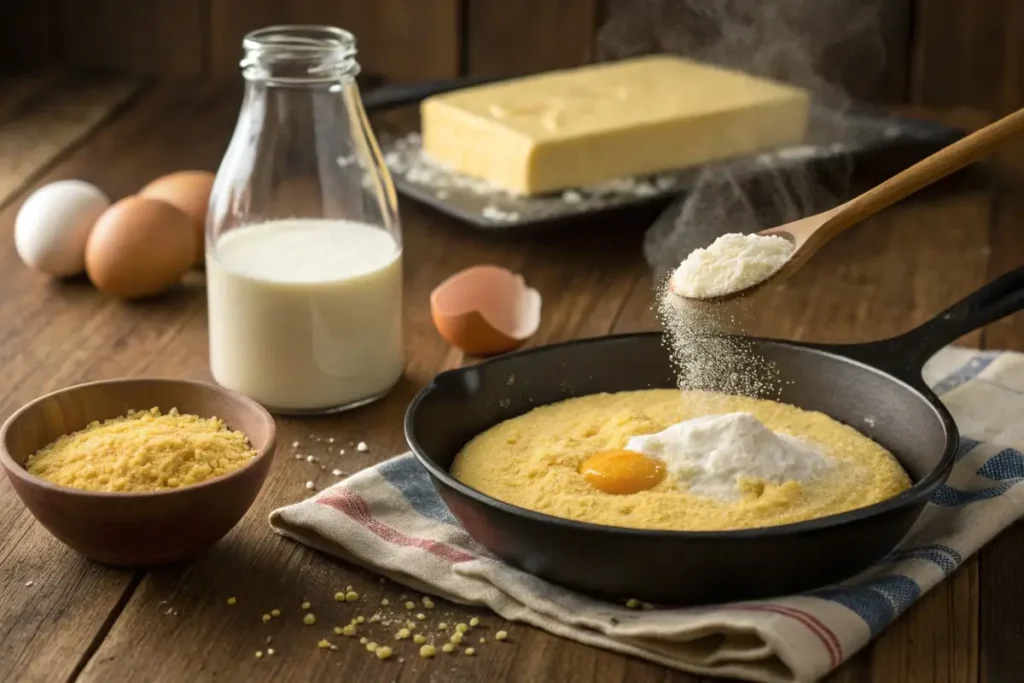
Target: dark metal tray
[[870, 143]]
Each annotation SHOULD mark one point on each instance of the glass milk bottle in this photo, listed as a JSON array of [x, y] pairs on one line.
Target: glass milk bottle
[[303, 244]]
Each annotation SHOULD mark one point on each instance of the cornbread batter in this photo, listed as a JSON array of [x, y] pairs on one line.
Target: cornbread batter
[[142, 451], [535, 460]]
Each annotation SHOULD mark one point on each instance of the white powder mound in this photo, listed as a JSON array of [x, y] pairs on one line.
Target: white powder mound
[[713, 453], [732, 263]]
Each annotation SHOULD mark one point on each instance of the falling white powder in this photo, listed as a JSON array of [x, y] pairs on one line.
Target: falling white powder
[[732, 263], [706, 357], [713, 454]]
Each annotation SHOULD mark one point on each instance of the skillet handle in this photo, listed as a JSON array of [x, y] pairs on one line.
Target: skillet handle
[[905, 355]]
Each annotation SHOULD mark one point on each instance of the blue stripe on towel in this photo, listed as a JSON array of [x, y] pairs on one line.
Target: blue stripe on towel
[[878, 602], [413, 482], [1006, 466], [944, 557], [966, 446], [966, 372]]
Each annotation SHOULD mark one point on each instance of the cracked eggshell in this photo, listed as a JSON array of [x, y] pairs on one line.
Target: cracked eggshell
[[485, 310]]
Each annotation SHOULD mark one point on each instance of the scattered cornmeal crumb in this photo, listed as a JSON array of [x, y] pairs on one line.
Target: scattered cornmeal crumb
[[428, 603], [371, 646], [232, 601], [411, 625], [633, 603], [501, 635], [421, 616], [419, 639], [337, 630], [483, 640], [402, 634], [383, 652], [469, 651], [305, 605], [442, 626], [323, 644], [309, 619], [447, 647], [339, 596], [374, 618], [474, 622], [259, 654], [271, 651], [349, 630], [384, 602], [144, 450], [351, 596], [360, 619], [461, 628], [410, 605], [266, 618], [364, 640], [427, 651], [275, 613], [456, 638]]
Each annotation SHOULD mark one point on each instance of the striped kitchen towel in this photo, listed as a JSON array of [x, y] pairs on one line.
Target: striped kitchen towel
[[390, 519]]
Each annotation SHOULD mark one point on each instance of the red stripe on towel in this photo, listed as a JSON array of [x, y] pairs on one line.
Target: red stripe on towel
[[355, 507], [826, 635]]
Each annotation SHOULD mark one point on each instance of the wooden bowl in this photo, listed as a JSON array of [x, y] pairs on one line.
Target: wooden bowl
[[136, 529]]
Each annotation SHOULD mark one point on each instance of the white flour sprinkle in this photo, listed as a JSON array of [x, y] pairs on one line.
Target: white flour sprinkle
[[706, 357], [732, 263], [714, 453]]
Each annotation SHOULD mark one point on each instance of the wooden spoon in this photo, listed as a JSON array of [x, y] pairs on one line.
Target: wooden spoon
[[811, 233]]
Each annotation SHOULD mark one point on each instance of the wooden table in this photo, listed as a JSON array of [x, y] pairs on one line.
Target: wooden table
[[63, 618]]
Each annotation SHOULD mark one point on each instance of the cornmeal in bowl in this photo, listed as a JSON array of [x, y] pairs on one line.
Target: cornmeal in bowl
[[142, 451], [685, 461]]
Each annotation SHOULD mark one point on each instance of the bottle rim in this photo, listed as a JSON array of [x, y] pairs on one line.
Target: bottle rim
[[311, 53]]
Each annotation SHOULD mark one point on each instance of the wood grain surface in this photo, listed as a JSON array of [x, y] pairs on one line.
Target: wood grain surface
[[405, 39], [65, 619]]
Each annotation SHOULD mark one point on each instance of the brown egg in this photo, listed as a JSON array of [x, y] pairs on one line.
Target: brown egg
[[485, 310], [190, 192], [139, 247]]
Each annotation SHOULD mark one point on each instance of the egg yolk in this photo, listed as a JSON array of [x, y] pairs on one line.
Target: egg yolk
[[622, 472]]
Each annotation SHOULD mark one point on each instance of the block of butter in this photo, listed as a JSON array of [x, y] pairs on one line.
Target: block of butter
[[581, 127]]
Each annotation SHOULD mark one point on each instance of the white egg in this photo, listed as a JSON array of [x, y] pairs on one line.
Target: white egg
[[53, 225]]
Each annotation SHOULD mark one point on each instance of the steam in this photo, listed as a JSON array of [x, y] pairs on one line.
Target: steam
[[824, 46]]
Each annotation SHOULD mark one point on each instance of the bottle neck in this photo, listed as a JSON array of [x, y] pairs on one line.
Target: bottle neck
[[299, 56]]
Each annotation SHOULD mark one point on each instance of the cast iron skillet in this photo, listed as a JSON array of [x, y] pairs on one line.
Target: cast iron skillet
[[875, 387]]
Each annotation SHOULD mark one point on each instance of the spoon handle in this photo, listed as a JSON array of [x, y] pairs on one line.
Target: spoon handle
[[961, 153]]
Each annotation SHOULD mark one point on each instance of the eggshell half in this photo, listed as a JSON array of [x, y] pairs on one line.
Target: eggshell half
[[485, 310], [190, 192]]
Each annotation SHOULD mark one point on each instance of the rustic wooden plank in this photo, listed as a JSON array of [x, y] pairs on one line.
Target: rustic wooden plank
[[49, 122], [968, 54], [20, 88], [1002, 600], [165, 37], [528, 36], [27, 35], [405, 40], [67, 334]]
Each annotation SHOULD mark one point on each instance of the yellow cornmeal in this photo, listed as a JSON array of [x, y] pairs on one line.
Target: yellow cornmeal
[[532, 461], [142, 451]]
